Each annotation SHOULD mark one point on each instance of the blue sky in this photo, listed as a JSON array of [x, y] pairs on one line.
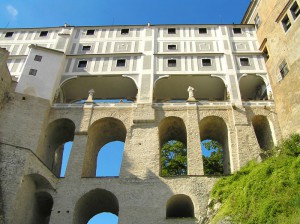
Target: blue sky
[[49, 13], [45, 13]]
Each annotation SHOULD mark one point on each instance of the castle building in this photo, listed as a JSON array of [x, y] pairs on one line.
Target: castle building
[[277, 27], [188, 83]]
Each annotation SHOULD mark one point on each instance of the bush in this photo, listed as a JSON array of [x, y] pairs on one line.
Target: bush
[[266, 192]]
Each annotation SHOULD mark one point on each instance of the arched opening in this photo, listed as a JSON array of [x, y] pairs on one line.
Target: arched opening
[[104, 218], [105, 87], [253, 87], [263, 132], [215, 129], [95, 202], [103, 131], [175, 87], [65, 157], [44, 206], [213, 157], [58, 133], [173, 151], [34, 196], [180, 206], [109, 159]]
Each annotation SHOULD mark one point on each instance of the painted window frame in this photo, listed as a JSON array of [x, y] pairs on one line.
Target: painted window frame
[[38, 58], [121, 63], [206, 64], [242, 61], [81, 63], [172, 63]]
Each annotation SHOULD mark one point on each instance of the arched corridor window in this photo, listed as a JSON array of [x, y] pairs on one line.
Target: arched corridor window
[[57, 134], [214, 130], [95, 202], [102, 132], [180, 206], [109, 159], [253, 87], [206, 88], [263, 132], [105, 87], [212, 154], [104, 218], [173, 151]]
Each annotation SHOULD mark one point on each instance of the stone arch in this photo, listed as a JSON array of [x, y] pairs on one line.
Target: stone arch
[[34, 195], [206, 87], [58, 132], [172, 129], [180, 206], [263, 132], [253, 87], [100, 133], [215, 128], [94, 202], [105, 87]]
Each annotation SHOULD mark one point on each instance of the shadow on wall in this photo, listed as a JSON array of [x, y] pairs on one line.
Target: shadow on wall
[[263, 132]]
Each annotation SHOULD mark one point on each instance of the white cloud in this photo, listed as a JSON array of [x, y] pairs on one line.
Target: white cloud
[[12, 11]]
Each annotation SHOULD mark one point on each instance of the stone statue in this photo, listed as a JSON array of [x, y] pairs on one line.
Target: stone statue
[[90, 98], [191, 94]]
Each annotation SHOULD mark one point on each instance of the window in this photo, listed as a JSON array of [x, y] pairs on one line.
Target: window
[[171, 31], [245, 61], [121, 63], [206, 62], [237, 30], [38, 58], [43, 33], [202, 31], [124, 31], [82, 64], [295, 10], [86, 48], [257, 21], [286, 23], [32, 72], [90, 32], [172, 47], [9, 34], [283, 67], [266, 53], [172, 63]]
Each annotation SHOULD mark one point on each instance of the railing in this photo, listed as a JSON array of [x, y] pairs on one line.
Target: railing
[[177, 104], [258, 103]]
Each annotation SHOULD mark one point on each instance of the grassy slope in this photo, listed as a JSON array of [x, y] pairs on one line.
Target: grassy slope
[[267, 192]]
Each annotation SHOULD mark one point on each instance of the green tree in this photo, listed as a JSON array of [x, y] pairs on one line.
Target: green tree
[[173, 158], [213, 165]]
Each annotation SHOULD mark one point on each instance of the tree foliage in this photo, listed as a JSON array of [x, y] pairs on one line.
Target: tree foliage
[[173, 158], [213, 165]]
